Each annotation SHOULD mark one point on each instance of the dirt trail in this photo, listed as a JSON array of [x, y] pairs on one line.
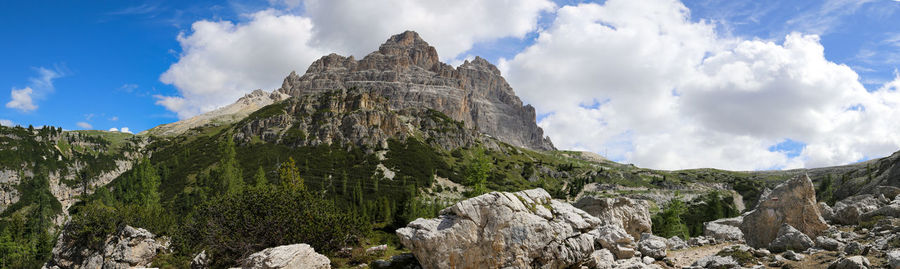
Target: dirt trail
[[685, 257]]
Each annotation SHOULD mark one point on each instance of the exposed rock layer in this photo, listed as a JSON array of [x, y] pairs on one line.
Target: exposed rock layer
[[128, 248]]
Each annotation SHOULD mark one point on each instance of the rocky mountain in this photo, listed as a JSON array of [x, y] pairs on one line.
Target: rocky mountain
[[228, 114], [407, 71]]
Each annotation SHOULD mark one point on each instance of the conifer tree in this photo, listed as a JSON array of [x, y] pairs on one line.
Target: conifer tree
[[260, 178], [289, 175], [229, 170]]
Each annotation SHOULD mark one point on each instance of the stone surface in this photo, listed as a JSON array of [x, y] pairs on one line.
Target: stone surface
[[849, 210], [675, 243], [854, 262], [828, 243], [408, 72], [200, 261], [893, 259], [601, 259], [653, 246], [524, 229], [235, 112], [288, 256], [724, 229], [630, 214], [794, 256], [790, 238], [128, 247], [402, 261], [717, 262], [792, 202]]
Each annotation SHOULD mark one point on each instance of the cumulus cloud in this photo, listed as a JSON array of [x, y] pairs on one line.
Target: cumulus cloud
[[84, 125], [223, 60], [21, 99], [5, 122], [643, 83], [122, 130]]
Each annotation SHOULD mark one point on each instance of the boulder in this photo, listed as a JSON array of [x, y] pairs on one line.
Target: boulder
[[630, 214], [828, 243], [827, 211], [890, 192], [716, 262], [794, 256], [402, 261], [128, 247], [855, 262], [893, 259], [891, 210], [652, 246], [790, 238], [849, 210], [792, 202], [634, 263], [200, 261], [724, 229], [287, 256], [675, 243], [523, 229], [855, 248], [601, 259]]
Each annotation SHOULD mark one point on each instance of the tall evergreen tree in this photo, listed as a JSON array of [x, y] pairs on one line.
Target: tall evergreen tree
[[260, 178], [477, 171], [229, 170], [289, 175]]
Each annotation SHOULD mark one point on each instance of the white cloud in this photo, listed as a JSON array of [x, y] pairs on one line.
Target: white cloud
[[84, 125], [5, 122], [641, 82], [222, 60], [452, 27], [122, 130], [114, 118], [21, 99]]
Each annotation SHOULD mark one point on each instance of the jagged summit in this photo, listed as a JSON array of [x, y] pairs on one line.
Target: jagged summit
[[407, 71]]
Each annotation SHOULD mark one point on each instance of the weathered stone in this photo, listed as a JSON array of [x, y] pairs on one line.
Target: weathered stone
[[675, 243], [827, 211], [200, 261], [792, 202], [601, 259], [630, 214], [408, 72], [849, 210], [893, 259], [855, 248], [794, 256], [790, 238], [828, 243], [653, 246], [717, 262], [402, 261], [129, 247], [724, 229], [855, 262], [288, 256], [523, 229]]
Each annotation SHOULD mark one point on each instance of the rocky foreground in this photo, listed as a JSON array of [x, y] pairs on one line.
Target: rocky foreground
[[528, 229]]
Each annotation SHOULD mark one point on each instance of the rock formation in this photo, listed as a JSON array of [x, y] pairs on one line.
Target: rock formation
[[289, 256], [790, 238], [129, 247], [525, 229], [724, 229], [792, 202], [632, 215], [407, 71], [849, 210]]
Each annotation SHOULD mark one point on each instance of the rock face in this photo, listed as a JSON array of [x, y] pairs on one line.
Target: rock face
[[289, 256], [790, 238], [129, 247], [849, 210], [525, 229], [228, 114], [632, 215], [653, 246], [792, 202], [724, 229], [407, 71]]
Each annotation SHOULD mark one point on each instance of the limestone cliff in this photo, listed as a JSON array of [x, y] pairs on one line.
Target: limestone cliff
[[407, 71]]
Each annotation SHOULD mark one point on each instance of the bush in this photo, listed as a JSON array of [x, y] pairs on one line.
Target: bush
[[237, 225]]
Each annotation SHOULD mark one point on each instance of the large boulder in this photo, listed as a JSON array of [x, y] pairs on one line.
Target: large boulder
[[792, 202], [790, 238], [128, 247], [653, 246], [893, 259], [630, 214], [849, 210], [724, 229], [891, 210], [524, 229], [288, 256], [854, 262]]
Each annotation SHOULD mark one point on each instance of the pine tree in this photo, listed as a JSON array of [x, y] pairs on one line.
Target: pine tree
[[260, 178], [289, 175], [229, 170], [477, 172]]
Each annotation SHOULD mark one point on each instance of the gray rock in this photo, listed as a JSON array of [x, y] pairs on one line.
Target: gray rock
[[827, 211], [717, 262], [601, 259], [790, 238], [893, 259], [408, 72], [792, 202], [288, 256], [891, 211], [855, 248], [827, 243], [675, 243], [630, 214], [849, 210], [402, 261], [128, 247], [634, 263], [524, 229], [200, 261], [652, 246], [855, 262], [794, 256], [724, 229], [648, 260]]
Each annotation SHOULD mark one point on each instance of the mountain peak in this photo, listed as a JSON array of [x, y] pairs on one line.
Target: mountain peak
[[412, 49]]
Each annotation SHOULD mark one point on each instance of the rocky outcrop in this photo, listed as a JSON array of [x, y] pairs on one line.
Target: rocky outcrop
[[790, 238], [630, 214], [224, 115], [407, 71], [891, 210], [893, 258], [289, 256], [129, 247], [653, 246], [724, 229], [525, 229], [854, 262], [849, 210], [792, 202]]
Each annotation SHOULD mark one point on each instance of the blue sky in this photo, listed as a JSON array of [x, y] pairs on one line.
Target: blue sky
[[98, 64]]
